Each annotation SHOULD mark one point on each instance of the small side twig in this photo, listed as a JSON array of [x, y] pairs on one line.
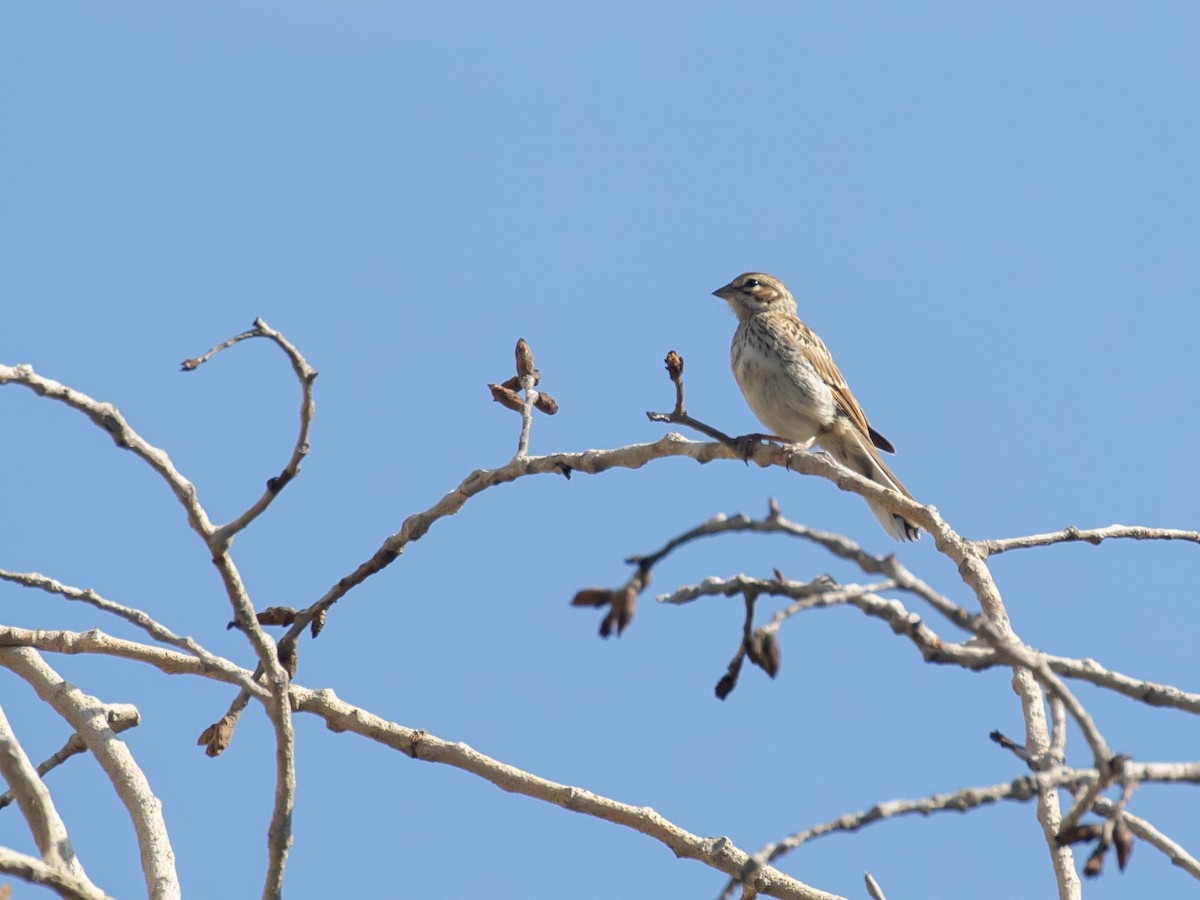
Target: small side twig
[[1093, 536], [121, 717]]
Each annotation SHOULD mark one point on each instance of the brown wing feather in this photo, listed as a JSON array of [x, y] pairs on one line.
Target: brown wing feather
[[823, 362]]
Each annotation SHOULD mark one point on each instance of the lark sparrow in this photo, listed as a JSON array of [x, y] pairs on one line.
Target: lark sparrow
[[795, 389]]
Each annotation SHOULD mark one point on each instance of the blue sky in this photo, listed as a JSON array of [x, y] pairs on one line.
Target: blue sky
[[989, 214]]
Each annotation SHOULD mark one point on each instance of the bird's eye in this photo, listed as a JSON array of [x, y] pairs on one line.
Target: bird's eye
[[752, 282]]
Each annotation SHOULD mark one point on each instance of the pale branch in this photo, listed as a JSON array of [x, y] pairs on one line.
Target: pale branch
[[718, 853], [1010, 650], [1057, 753], [416, 526], [109, 418], [1151, 693], [95, 641], [137, 617], [339, 716], [279, 712], [1021, 789], [1152, 836], [36, 805], [35, 871], [120, 716], [1093, 536], [86, 716], [305, 375]]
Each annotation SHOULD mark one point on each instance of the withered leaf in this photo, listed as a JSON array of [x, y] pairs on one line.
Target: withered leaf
[[216, 737], [505, 397], [594, 596], [276, 615]]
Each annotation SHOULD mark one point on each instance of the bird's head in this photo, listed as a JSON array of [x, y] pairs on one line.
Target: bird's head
[[755, 292]]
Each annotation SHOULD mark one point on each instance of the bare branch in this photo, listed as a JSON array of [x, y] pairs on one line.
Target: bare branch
[[108, 417], [85, 715], [48, 830], [35, 871], [121, 717], [135, 616], [305, 375], [1021, 789], [718, 853], [1072, 534]]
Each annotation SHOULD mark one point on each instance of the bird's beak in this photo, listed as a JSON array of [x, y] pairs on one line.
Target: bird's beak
[[724, 292]]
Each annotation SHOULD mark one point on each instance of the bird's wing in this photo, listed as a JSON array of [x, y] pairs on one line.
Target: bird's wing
[[822, 361]]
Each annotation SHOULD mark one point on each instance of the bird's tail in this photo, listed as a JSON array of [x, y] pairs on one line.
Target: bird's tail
[[855, 452]]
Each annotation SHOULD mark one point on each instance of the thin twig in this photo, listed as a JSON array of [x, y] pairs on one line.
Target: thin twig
[[1072, 534]]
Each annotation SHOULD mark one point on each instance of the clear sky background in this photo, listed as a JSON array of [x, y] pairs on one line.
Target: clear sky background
[[991, 215]]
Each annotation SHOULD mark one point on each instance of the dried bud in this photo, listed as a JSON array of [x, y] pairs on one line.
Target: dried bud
[[621, 610], [524, 359], [505, 397], [317, 625], [624, 606], [592, 597], [545, 403], [1080, 833], [1095, 863], [287, 658], [189, 364], [764, 652], [276, 615], [513, 384], [279, 482], [674, 365], [216, 737], [1123, 840], [725, 686]]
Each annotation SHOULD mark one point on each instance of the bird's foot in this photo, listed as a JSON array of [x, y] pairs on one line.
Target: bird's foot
[[745, 444]]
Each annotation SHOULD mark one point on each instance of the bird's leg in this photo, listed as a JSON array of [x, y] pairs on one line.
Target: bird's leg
[[794, 448]]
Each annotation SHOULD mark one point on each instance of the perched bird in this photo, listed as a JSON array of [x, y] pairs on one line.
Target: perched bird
[[794, 387]]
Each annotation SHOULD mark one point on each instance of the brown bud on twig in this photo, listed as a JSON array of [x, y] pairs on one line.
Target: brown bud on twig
[[1095, 863], [276, 615], [189, 364], [1123, 841], [621, 611], [216, 737], [592, 597], [764, 652], [545, 403], [725, 686], [524, 359], [513, 384], [287, 658], [1083, 832], [317, 625], [674, 365], [505, 397]]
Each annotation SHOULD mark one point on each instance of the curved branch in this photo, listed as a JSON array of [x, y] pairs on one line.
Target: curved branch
[[109, 418], [34, 871], [718, 853], [86, 715], [306, 375], [1094, 536], [48, 830]]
